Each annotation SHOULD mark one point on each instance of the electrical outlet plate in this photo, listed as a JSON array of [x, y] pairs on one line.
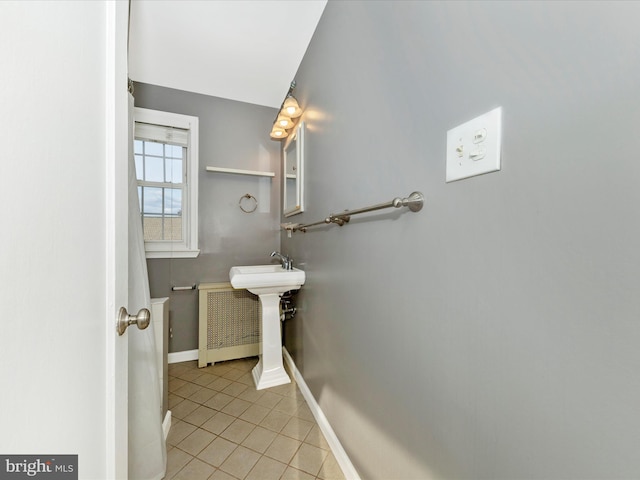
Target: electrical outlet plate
[[473, 148]]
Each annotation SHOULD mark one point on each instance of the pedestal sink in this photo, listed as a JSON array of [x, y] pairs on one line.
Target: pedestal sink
[[269, 282]]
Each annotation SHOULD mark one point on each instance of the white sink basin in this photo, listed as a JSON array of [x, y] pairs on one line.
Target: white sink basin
[[268, 282], [266, 278]]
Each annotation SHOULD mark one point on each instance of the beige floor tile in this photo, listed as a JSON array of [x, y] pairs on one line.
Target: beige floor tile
[[174, 400], [183, 409], [218, 423], [240, 462], [259, 439], [283, 449], [316, 438], [220, 475], [218, 401], [187, 390], [217, 452], [247, 379], [238, 431], [219, 384], [256, 434], [233, 374], [266, 469], [236, 407], [330, 469], [176, 459], [199, 415], [207, 369], [205, 379], [246, 364], [214, 379], [202, 395], [269, 400], [293, 391], [255, 414], [287, 390], [304, 412], [191, 375], [175, 384], [234, 389], [251, 395], [188, 366], [309, 459], [211, 376], [196, 442], [176, 369], [179, 431], [294, 474], [195, 470], [287, 405], [218, 369], [275, 420], [297, 428]]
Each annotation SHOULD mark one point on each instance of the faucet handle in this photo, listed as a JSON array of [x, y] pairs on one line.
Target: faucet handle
[[285, 260]]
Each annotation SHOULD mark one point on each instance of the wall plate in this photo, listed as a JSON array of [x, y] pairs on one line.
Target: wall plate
[[473, 148]]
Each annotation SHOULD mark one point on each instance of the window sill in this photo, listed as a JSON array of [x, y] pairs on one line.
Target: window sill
[[172, 253]]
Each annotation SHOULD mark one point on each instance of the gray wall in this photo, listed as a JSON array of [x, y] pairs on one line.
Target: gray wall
[[234, 135], [494, 334]]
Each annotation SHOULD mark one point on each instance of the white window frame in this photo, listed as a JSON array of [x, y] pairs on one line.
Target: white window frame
[[188, 247]]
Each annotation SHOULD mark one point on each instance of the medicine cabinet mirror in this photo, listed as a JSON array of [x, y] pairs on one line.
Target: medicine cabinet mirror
[[293, 168]]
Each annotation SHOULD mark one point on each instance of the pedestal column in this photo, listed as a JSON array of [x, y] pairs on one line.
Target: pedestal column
[[270, 372]]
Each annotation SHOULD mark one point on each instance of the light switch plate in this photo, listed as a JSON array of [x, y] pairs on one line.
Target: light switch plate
[[473, 148]]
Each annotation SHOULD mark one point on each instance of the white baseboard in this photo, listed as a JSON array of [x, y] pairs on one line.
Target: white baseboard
[[166, 424], [185, 356], [342, 458]]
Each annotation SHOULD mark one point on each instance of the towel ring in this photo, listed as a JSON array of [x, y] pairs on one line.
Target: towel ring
[[248, 196]]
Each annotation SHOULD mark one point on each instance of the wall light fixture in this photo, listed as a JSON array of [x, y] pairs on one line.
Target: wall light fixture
[[288, 111]]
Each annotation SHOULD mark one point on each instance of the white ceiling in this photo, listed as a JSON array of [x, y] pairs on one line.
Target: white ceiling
[[245, 50]]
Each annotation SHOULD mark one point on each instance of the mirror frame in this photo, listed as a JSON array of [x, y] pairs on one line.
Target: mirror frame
[[295, 142]]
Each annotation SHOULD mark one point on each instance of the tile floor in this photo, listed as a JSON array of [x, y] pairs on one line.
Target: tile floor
[[225, 429]]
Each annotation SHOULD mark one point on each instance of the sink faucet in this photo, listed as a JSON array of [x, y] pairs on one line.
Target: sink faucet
[[287, 263]]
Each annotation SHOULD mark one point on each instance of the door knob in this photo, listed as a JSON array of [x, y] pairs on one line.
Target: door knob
[[142, 319]]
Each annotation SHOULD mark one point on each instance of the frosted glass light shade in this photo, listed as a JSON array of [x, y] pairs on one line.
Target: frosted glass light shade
[[278, 133], [284, 122], [291, 108]]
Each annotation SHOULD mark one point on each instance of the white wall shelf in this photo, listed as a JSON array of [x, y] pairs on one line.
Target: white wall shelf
[[237, 171]]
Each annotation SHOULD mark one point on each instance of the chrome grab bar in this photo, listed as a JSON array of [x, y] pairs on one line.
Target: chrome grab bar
[[413, 202]]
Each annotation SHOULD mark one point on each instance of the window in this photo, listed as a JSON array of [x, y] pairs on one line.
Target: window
[[166, 157]]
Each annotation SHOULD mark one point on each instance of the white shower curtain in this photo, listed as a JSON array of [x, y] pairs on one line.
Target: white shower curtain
[[147, 449]]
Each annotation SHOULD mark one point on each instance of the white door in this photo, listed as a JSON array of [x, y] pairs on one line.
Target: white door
[[63, 250], [117, 255]]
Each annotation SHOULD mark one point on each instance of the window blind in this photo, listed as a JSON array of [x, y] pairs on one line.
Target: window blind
[[164, 134]]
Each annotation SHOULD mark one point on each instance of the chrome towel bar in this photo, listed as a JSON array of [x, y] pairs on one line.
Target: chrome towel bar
[[413, 202], [178, 289]]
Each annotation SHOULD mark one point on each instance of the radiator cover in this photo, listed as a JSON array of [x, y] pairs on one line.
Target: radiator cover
[[229, 323]]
